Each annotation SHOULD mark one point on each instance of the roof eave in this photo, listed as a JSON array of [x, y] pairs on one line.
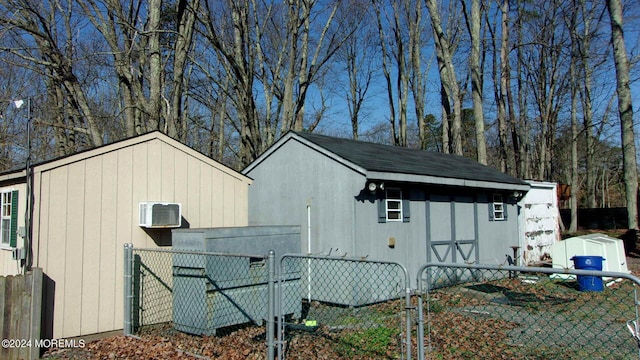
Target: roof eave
[[292, 135], [14, 177], [436, 180]]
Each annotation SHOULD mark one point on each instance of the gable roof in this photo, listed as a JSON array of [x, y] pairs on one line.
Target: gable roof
[[385, 162], [19, 175]]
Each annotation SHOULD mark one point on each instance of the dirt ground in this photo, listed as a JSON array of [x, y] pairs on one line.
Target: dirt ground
[[248, 343]]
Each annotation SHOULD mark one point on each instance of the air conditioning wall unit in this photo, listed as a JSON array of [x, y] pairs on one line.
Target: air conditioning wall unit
[[154, 215]]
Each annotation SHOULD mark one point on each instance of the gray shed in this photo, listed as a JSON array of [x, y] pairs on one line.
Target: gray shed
[[382, 202]]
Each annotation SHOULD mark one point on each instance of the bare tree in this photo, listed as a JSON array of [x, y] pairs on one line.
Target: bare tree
[[500, 57], [448, 78], [309, 54], [386, 66], [625, 110], [359, 55], [473, 27], [48, 27], [574, 180]]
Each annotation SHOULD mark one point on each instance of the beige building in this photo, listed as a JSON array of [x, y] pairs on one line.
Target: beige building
[[86, 207]]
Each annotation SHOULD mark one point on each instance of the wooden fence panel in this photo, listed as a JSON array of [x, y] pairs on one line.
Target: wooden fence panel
[[20, 323]]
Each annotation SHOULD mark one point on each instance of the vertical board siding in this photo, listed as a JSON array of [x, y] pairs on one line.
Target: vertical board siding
[[74, 245], [225, 206], [108, 250], [91, 253], [206, 196], [181, 176], [193, 183], [87, 208], [55, 215], [167, 173]]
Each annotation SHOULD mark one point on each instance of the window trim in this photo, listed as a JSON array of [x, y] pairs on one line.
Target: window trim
[[400, 208], [8, 203], [498, 207]]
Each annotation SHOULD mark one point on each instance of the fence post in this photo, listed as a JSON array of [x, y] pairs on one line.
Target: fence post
[[128, 293], [408, 309], [271, 305], [420, 320]]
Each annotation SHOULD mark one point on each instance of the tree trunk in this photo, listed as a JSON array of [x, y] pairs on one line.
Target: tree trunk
[[447, 75], [625, 110], [473, 26]]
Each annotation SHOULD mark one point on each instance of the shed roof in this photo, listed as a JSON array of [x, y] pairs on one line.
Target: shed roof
[[385, 162], [18, 175]]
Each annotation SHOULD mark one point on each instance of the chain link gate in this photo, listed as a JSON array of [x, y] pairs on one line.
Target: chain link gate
[[350, 308], [478, 311], [358, 308]]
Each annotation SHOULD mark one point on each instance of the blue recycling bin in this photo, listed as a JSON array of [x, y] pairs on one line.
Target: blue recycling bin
[[587, 282]]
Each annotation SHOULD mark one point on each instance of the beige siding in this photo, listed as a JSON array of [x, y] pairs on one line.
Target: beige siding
[[91, 245], [56, 241], [74, 240], [87, 209], [108, 247]]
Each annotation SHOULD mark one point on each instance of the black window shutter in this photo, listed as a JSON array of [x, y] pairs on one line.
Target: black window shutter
[[382, 210], [13, 237], [406, 209]]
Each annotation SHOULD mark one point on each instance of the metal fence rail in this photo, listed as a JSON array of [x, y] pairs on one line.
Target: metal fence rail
[[475, 311], [358, 308]]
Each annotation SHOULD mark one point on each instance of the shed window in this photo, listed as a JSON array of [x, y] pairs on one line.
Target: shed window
[[394, 204], [8, 218], [498, 208]]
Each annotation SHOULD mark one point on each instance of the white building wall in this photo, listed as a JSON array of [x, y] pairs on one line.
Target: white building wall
[[539, 222]]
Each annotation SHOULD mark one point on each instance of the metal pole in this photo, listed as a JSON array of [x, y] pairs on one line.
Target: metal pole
[[408, 309], [271, 305], [420, 320], [27, 215], [128, 293]]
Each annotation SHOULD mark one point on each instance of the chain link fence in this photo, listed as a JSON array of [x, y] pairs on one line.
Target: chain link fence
[[351, 308], [492, 312], [315, 307], [186, 297]]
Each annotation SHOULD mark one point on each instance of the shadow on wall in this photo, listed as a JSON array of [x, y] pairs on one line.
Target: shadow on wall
[[162, 236]]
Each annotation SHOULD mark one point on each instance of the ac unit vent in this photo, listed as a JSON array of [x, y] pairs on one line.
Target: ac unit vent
[[160, 215]]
